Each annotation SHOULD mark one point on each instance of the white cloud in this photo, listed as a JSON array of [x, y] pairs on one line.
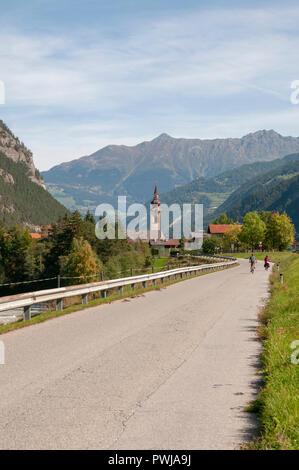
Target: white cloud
[[83, 90]]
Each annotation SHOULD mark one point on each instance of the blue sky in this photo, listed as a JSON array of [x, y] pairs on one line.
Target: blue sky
[[82, 74]]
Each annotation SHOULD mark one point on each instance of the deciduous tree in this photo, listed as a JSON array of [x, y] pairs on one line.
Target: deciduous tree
[[211, 245], [81, 262], [253, 230], [279, 231], [231, 237]]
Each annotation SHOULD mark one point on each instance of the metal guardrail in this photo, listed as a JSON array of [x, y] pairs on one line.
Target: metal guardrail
[[27, 300], [219, 257]]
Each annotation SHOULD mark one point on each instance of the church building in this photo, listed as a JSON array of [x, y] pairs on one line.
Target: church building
[[157, 240], [155, 217]]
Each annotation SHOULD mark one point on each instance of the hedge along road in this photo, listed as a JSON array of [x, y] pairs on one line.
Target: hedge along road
[[169, 369]]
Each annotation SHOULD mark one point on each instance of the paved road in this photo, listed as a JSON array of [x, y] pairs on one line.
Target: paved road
[[172, 369]]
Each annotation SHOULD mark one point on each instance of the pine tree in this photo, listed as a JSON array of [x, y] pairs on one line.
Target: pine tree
[[223, 220]]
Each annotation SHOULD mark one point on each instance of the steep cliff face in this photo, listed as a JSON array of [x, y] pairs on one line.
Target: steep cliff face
[[23, 197], [16, 151]]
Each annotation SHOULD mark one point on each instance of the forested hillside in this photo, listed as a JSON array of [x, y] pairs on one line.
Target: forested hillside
[[277, 190], [21, 199], [213, 192]]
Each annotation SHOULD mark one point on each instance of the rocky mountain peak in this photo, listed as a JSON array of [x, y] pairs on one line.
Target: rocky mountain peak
[[14, 149]]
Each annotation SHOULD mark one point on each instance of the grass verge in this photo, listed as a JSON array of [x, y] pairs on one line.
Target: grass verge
[[278, 402], [160, 263], [128, 292], [274, 257]]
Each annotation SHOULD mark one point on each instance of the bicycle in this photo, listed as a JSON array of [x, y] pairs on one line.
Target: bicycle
[[267, 266]]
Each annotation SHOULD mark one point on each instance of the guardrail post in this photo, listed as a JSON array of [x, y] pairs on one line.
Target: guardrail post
[[133, 286], [144, 284], [181, 275], [27, 313], [59, 304], [154, 282], [103, 294], [162, 280], [120, 290], [84, 299], [169, 278]]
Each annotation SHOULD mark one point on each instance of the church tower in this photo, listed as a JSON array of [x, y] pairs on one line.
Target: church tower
[[155, 217]]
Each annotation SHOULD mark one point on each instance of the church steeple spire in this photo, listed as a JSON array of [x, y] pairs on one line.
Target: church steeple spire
[[156, 199]]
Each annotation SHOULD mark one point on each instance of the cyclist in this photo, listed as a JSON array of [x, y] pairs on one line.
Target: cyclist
[[267, 262], [252, 261]]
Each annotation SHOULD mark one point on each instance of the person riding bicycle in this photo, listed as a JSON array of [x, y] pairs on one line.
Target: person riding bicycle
[[252, 261], [267, 262]]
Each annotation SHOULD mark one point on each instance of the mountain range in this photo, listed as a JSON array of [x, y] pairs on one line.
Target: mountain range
[[170, 162], [226, 175]]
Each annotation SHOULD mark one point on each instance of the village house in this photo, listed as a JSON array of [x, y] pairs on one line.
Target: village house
[[44, 232], [218, 230]]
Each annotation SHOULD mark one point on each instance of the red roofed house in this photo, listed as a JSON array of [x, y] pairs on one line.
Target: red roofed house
[[35, 236], [218, 230], [170, 243]]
